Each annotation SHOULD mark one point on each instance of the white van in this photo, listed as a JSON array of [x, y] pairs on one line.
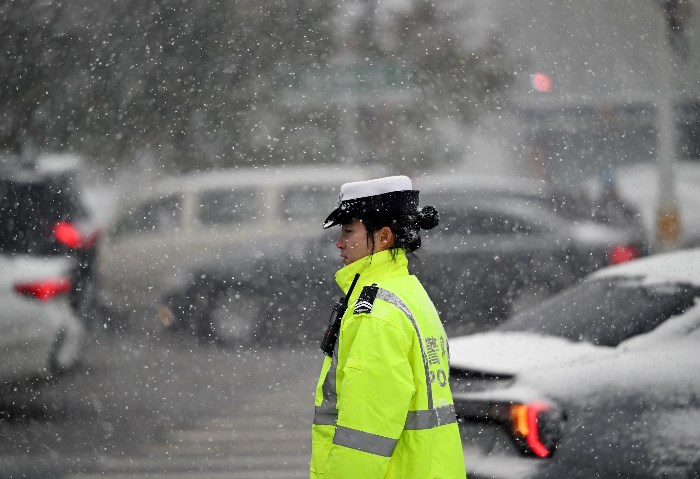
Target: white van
[[179, 221]]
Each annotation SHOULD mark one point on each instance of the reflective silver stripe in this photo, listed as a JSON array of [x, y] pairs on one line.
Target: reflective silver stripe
[[429, 419], [325, 418], [391, 298], [415, 420], [364, 441], [329, 393], [329, 404]]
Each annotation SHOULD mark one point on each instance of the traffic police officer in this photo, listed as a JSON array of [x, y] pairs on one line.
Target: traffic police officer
[[383, 403]]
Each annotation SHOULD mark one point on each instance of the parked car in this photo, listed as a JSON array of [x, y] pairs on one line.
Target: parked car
[[40, 333], [493, 252], [42, 214], [173, 225], [601, 380]]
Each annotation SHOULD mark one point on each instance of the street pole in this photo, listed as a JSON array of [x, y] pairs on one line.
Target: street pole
[[667, 215]]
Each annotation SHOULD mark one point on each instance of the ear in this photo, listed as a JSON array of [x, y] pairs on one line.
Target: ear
[[386, 237]]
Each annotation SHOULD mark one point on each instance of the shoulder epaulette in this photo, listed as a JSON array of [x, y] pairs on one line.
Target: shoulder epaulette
[[366, 300]]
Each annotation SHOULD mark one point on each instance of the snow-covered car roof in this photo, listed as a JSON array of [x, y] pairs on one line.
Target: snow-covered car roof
[[679, 266]]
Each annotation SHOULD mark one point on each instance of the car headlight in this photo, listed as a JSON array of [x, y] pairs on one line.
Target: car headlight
[[537, 427]]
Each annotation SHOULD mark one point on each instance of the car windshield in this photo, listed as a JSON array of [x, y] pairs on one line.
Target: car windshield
[[487, 214], [605, 311]]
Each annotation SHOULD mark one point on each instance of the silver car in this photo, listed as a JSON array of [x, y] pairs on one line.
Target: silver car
[[598, 381], [178, 223]]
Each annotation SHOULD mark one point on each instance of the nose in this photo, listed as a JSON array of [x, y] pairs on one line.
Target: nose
[[340, 244]]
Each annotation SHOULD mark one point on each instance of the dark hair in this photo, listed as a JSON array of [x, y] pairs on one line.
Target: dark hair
[[404, 227]]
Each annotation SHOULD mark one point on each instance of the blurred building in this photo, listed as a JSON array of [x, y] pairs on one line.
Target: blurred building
[[580, 96], [591, 78]]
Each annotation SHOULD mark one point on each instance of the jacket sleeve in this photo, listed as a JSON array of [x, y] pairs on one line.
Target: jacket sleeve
[[374, 397]]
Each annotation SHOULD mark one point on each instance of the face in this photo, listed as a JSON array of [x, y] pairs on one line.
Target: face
[[354, 243]]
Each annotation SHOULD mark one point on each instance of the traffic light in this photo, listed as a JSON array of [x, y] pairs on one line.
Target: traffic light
[[541, 82]]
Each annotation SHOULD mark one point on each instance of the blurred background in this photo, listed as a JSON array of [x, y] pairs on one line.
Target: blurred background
[[137, 102], [562, 91]]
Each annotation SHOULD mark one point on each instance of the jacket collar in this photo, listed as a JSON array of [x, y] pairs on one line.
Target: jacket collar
[[372, 268]]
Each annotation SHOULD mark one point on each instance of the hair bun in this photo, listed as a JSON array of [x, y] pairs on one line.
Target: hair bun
[[428, 218]]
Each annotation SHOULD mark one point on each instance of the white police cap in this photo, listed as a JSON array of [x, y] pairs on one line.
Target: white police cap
[[390, 195]]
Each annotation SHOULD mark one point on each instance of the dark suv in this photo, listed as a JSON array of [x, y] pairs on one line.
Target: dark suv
[[495, 253], [43, 215]]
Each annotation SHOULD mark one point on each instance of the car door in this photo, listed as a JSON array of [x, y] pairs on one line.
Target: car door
[[532, 244], [479, 258], [458, 267], [15, 318], [142, 244], [29, 324]]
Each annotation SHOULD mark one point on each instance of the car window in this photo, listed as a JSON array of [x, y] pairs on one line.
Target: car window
[[481, 221], [150, 217], [29, 210], [572, 206], [308, 204], [575, 206], [230, 207], [605, 311], [487, 214]]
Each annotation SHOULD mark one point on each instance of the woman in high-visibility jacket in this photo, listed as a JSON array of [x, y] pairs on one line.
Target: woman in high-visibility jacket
[[383, 406]]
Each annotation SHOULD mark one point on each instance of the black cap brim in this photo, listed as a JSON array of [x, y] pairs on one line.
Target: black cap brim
[[393, 203], [338, 216]]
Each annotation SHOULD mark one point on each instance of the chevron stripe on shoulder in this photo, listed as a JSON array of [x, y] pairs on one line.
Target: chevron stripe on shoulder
[[366, 300]]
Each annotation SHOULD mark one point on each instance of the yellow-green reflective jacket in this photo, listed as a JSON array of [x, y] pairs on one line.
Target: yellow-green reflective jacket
[[383, 403]]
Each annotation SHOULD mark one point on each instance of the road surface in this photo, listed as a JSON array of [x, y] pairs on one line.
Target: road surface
[[147, 404]]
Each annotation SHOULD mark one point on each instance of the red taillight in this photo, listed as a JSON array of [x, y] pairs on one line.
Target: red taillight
[[537, 427], [66, 233], [45, 289], [621, 253]]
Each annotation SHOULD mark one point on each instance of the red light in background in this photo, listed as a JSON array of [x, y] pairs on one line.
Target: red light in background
[[622, 253], [541, 82], [66, 233]]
